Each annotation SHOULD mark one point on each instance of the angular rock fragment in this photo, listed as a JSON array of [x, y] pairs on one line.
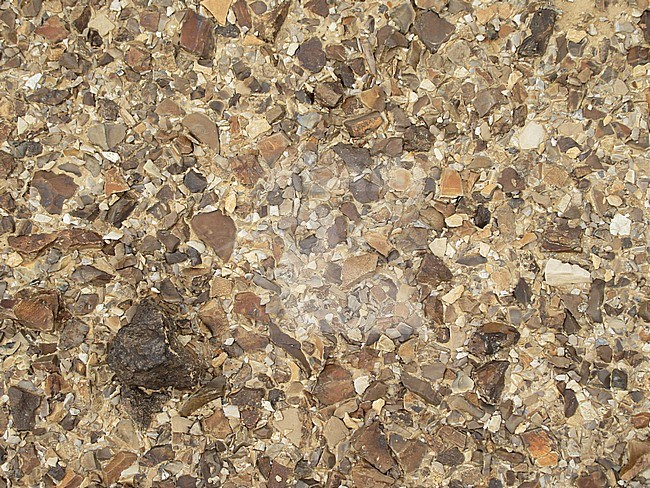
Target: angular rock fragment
[[595, 302], [23, 405], [432, 30], [311, 56], [204, 129], [197, 34], [365, 191], [217, 230], [334, 385], [54, 189], [356, 268], [290, 345], [370, 443], [421, 388], [451, 185], [146, 352], [523, 293], [492, 337], [433, 271], [120, 462], [247, 169], [48, 96], [356, 158], [541, 27], [540, 445], [557, 273], [121, 210], [328, 94], [38, 311], [272, 147], [364, 124], [271, 22], [53, 29], [490, 380], [250, 305]]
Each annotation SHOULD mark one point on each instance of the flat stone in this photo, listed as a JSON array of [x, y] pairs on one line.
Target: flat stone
[[311, 56], [119, 463], [531, 136], [54, 189], [371, 444], [620, 225], [47, 96], [557, 273], [22, 406], [492, 337], [328, 94], [217, 230], [204, 129], [356, 158], [433, 271], [53, 29], [356, 268], [362, 125], [541, 447], [146, 352], [114, 182], [421, 388], [432, 30], [38, 311], [218, 8], [490, 380], [272, 147], [334, 385], [451, 185], [365, 191], [107, 136], [197, 34]]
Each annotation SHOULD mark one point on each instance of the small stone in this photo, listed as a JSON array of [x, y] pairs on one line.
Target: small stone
[[619, 379], [107, 136], [541, 26], [138, 58], [334, 431], [114, 182], [119, 463], [23, 405], [620, 225], [421, 388], [433, 271], [595, 302], [356, 268], [272, 147], [311, 56], [73, 334], [492, 337], [196, 34], [432, 30], [328, 94], [195, 182], [356, 158], [531, 136], [204, 129], [510, 181], [451, 457], [365, 191], [217, 230], [374, 98], [371, 444], [540, 446], [523, 293], [557, 273], [38, 311], [319, 7], [146, 352], [53, 29], [47, 96], [638, 459], [490, 380], [250, 305], [400, 179], [334, 385], [217, 425], [54, 189], [451, 186], [247, 169], [403, 15], [362, 125]]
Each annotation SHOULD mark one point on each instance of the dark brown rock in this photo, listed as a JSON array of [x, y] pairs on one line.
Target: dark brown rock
[[421, 388], [597, 479], [365, 191], [511, 181], [23, 405], [74, 332], [247, 169], [121, 210], [250, 305], [490, 380], [311, 56], [146, 353], [595, 302], [364, 124], [334, 385], [204, 129], [432, 30], [328, 93], [356, 158], [451, 457], [541, 27], [638, 55], [272, 147], [492, 337], [433, 271], [319, 7], [523, 293], [54, 189], [197, 34], [217, 230], [370, 443], [47, 96], [38, 311]]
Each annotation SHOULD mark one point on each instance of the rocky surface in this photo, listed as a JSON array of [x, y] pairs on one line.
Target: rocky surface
[[324, 244]]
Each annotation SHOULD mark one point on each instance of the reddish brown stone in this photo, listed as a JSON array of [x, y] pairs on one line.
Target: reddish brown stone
[[311, 56], [38, 311], [360, 126], [433, 271], [53, 29], [371, 445], [334, 385], [272, 147], [247, 170], [540, 446], [197, 34], [490, 380], [54, 189], [250, 305], [641, 420], [139, 59], [119, 463], [217, 230]]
